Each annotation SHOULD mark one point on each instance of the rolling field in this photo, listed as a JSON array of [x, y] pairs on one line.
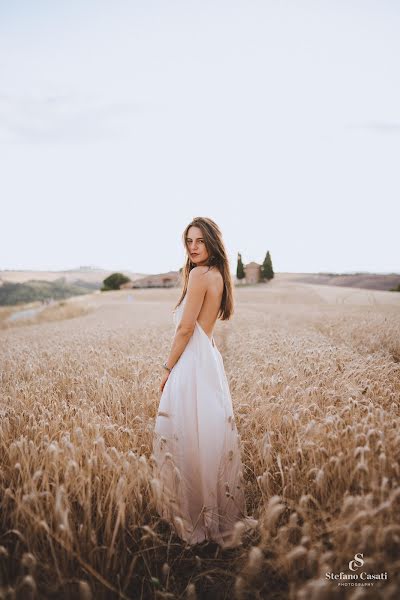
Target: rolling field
[[314, 373]]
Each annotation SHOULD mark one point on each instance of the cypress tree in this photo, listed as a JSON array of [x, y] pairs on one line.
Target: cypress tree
[[267, 271], [240, 268]]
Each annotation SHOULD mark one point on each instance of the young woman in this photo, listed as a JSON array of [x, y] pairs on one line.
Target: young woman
[[196, 446]]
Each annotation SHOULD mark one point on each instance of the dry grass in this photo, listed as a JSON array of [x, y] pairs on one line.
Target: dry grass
[[316, 387]]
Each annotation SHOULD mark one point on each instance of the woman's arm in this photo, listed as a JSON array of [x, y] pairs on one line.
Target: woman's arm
[[197, 287]]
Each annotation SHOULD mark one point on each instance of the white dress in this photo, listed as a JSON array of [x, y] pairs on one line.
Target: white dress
[[198, 474]]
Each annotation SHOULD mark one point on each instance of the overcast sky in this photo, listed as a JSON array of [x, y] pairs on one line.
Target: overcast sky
[[121, 121]]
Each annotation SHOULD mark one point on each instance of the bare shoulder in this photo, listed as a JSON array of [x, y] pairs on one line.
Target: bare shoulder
[[197, 272], [206, 278], [204, 272]]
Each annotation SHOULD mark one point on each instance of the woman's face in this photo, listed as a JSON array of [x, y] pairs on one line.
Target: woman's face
[[196, 246]]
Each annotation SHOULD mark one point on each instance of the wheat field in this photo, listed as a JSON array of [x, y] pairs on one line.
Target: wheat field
[[314, 373]]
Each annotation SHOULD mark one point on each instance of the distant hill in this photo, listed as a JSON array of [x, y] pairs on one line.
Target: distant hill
[[369, 281], [20, 287], [12, 294], [87, 274]]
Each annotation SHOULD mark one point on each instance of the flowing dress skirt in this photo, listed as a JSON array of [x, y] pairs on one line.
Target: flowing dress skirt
[[198, 474]]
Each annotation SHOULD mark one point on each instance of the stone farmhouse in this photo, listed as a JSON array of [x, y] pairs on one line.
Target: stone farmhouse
[[252, 272], [173, 278], [170, 279]]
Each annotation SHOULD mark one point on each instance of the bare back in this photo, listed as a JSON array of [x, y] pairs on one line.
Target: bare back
[[212, 301]]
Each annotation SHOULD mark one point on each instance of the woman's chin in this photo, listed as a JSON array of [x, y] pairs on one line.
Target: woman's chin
[[198, 261]]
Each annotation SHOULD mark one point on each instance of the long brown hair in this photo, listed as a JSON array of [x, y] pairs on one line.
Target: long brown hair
[[216, 257]]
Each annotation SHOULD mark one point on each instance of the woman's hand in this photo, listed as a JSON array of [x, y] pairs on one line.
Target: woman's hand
[[164, 381]]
